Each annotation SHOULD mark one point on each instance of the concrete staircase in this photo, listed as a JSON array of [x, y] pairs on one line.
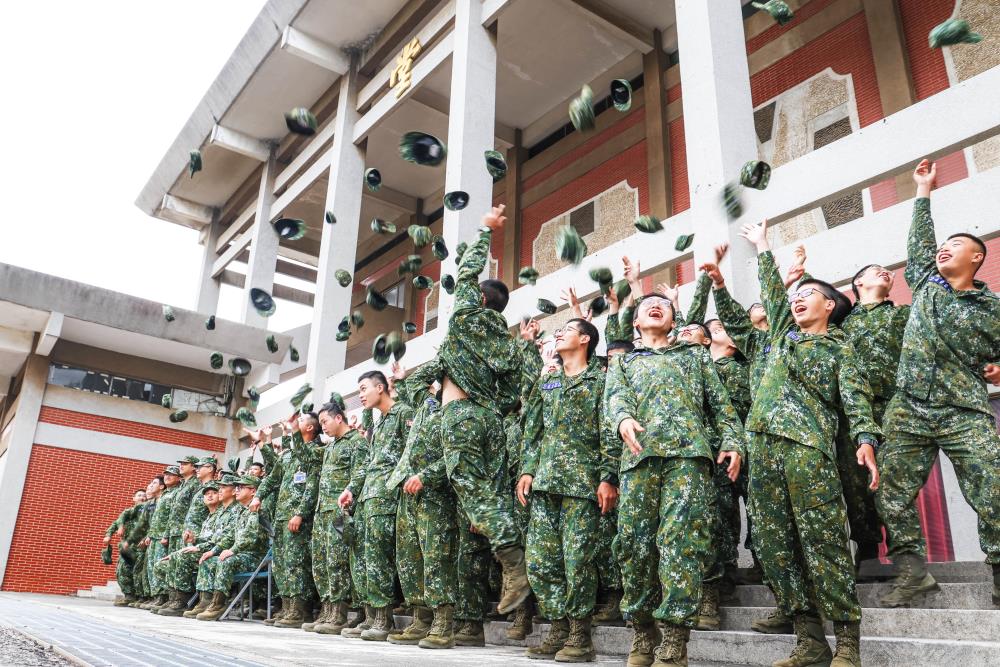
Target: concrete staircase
[[957, 626], [109, 591]]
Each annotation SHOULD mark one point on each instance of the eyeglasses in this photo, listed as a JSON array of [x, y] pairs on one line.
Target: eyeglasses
[[562, 331], [807, 292], [650, 301]]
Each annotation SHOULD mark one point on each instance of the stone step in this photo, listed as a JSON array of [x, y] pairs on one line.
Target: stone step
[[751, 648], [109, 591], [945, 624], [85, 593], [951, 596], [953, 572]]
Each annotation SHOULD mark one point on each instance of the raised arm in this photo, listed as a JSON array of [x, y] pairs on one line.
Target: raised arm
[[467, 292], [699, 302], [772, 289], [921, 246]]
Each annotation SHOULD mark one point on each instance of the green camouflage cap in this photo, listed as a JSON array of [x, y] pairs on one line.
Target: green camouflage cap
[[166, 401], [245, 417], [373, 179], [602, 276], [570, 247], [290, 229], [621, 94], [172, 470], [448, 283], [420, 235], [460, 250], [178, 416], [598, 306], [457, 200], [496, 165], [343, 277], [375, 299], [683, 242], [439, 248], [546, 306], [422, 282], [272, 344], [239, 366], [215, 360], [411, 264], [380, 351], [168, 313], [778, 9], [253, 395], [581, 110], [648, 224], [210, 323], [293, 354], [301, 121], [422, 148], [527, 276], [755, 174], [228, 480], [337, 400], [194, 162], [952, 32], [342, 336], [330, 218], [622, 289], [248, 480], [357, 319], [409, 327], [262, 302], [395, 345], [382, 227], [300, 395], [190, 458], [209, 486], [345, 324], [731, 201], [208, 461]]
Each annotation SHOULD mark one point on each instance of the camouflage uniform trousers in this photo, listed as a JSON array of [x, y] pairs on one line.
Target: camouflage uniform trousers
[[725, 527], [562, 542], [292, 561], [124, 571], [915, 433], [473, 440], [473, 568], [179, 571], [205, 581], [609, 575], [224, 572], [331, 564], [154, 553], [862, 515], [139, 577], [355, 538], [664, 534], [379, 519], [427, 548], [800, 523]]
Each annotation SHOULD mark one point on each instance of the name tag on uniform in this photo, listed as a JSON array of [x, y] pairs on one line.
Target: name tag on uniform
[[548, 386], [794, 335], [299, 478], [767, 348], [638, 353], [939, 280]]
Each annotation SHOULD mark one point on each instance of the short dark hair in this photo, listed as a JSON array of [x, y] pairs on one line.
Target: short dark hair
[[841, 304], [708, 323], [854, 288], [256, 463], [753, 305], [625, 345], [703, 327], [495, 294], [159, 478], [377, 378], [138, 491], [975, 239], [313, 419], [588, 329], [333, 409]]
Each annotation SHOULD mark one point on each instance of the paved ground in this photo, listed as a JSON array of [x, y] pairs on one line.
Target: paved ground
[[16, 650], [100, 634]]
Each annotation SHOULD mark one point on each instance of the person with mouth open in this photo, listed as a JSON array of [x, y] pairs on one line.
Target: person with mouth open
[[950, 351], [665, 401]]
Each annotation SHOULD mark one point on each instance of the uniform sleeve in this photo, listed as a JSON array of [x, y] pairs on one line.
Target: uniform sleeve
[[306, 505], [359, 466], [722, 414], [137, 529], [855, 395], [611, 448], [435, 474], [626, 330], [534, 426], [921, 246], [736, 320], [620, 400], [699, 302], [269, 455], [611, 331], [196, 514], [116, 524], [467, 292], [228, 535], [773, 295], [271, 483], [251, 538]]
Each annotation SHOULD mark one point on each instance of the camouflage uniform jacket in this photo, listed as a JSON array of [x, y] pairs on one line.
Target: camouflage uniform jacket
[[334, 460], [248, 535], [293, 480], [422, 455], [751, 341], [123, 521], [513, 433], [567, 446], [204, 535], [159, 522], [224, 528], [699, 303], [876, 331], [137, 529], [359, 459], [388, 441], [668, 391], [807, 377], [197, 512], [735, 376], [951, 335], [182, 503], [478, 353]]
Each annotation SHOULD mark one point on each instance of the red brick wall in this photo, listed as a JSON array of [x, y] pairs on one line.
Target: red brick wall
[[69, 500], [131, 429]]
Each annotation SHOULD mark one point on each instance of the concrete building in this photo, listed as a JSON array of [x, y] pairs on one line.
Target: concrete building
[[82, 374], [842, 102]]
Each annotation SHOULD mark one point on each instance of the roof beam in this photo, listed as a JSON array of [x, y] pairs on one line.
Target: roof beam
[[316, 51], [278, 291], [401, 201], [285, 267], [492, 9], [238, 246], [238, 142], [185, 212], [48, 337], [401, 25], [636, 35]]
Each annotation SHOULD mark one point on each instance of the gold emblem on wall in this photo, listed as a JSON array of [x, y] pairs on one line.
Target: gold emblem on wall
[[402, 74]]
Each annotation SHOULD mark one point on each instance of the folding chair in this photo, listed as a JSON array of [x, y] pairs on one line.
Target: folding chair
[[248, 579]]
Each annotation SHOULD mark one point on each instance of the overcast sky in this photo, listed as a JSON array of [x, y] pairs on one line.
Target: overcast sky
[[94, 93]]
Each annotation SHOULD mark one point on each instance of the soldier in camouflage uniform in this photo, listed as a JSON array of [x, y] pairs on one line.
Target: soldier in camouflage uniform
[[186, 518], [950, 351], [330, 549], [136, 539], [569, 468], [295, 481], [796, 499], [482, 372], [377, 503], [126, 554], [211, 543], [426, 524], [158, 537], [656, 399], [240, 548]]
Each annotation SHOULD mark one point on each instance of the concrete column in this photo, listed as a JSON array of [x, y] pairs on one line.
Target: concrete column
[[512, 231], [471, 119], [208, 287], [263, 245], [718, 127], [339, 244], [19, 442], [654, 68]]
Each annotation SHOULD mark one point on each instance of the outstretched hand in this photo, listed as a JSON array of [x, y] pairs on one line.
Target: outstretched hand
[[924, 176], [756, 233], [866, 457], [495, 218]]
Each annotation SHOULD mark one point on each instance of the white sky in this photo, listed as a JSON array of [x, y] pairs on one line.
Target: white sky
[[94, 93]]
